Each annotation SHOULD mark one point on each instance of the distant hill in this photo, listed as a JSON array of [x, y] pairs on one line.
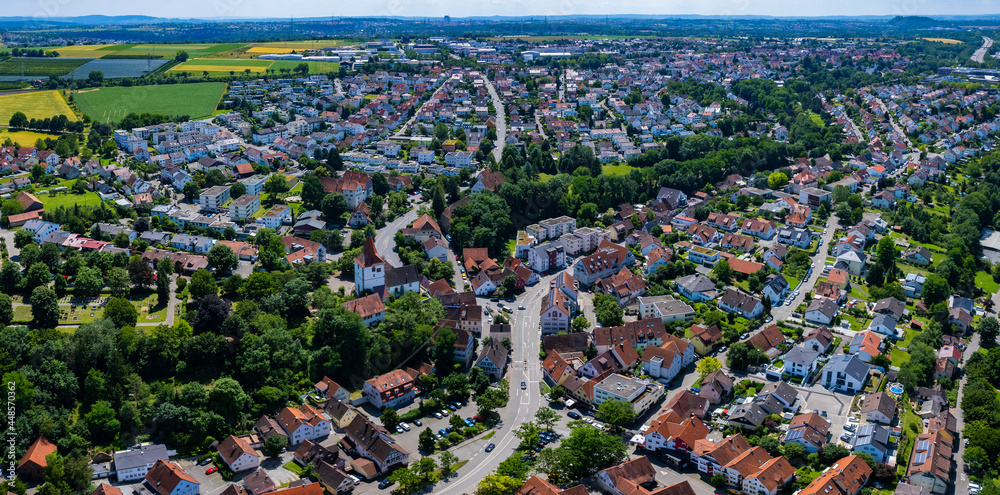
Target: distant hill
[[914, 22]]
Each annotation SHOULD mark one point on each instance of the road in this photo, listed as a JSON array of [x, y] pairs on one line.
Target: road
[[784, 312], [501, 118], [962, 487], [385, 241], [981, 52], [523, 403]]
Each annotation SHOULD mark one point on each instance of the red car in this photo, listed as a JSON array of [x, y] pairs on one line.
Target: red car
[[211, 470]]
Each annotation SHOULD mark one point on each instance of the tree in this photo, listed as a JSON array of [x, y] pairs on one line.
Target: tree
[[10, 275], [579, 324], [276, 184], [496, 484], [722, 271], [447, 459], [191, 191], [237, 189], [118, 280], [210, 313], [988, 329], [438, 201], [19, 120], [122, 312], [608, 312], [38, 275], [584, 452], [140, 273], [222, 258], [977, 458], [389, 418], [832, 453], [274, 445], [229, 400], [528, 432], [23, 238], [488, 401], [793, 451], [616, 412], [427, 440], [162, 287], [44, 307], [509, 285], [546, 418], [313, 191], [935, 290], [6, 310], [202, 284], [334, 206], [708, 365], [777, 180], [103, 422], [444, 348], [407, 479]]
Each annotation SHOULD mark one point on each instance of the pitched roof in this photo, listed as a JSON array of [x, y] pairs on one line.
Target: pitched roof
[[365, 307], [369, 255], [36, 453], [723, 452], [106, 489], [538, 486], [844, 477], [164, 476], [767, 338], [233, 447]]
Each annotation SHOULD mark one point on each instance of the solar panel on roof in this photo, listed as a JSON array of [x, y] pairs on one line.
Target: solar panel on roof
[[920, 458], [923, 445]]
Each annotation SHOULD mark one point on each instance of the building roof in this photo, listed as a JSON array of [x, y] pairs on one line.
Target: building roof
[[844, 477], [144, 455], [36, 453], [164, 476], [538, 486], [822, 334], [106, 489], [233, 447], [723, 452], [851, 365], [369, 255], [808, 428], [802, 356], [880, 402], [365, 307], [932, 453], [767, 338], [890, 305], [874, 435]]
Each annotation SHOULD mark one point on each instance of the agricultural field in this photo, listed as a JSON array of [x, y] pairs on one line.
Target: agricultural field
[[314, 67], [288, 46], [196, 100], [947, 41], [116, 68], [81, 51], [35, 105], [24, 138], [168, 51], [40, 67], [221, 67]]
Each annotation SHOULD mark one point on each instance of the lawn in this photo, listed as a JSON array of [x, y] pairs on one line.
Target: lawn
[[35, 105], [543, 178], [908, 268], [314, 67], [24, 138], [908, 337], [620, 169], [985, 281], [792, 281], [196, 100], [221, 67], [40, 67], [54, 201], [899, 357], [816, 118]]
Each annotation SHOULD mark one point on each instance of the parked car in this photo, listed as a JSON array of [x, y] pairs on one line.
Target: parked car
[[573, 414], [520, 307], [418, 422], [399, 429], [211, 470], [490, 447], [405, 426], [205, 462], [385, 484]]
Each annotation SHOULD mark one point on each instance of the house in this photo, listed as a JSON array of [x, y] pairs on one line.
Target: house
[[30, 202], [767, 479], [167, 478], [556, 312], [329, 389], [369, 308], [32, 465], [243, 207], [794, 236], [696, 287], [493, 359], [423, 228], [872, 439], [237, 453], [666, 308], [818, 339], [775, 288], [884, 324], [333, 479], [373, 442], [303, 423], [741, 303], [930, 462], [391, 389], [341, 413], [845, 373], [801, 362], [809, 430], [878, 408], [767, 339], [913, 284], [538, 486], [890, 306], [866, 345], [608, 259], [686, 403], [638, 334], [918, 256], [716, 386], [704, 339], [626, 389], [845, 477], [40, 229], [782, 392], [711, 456], [369, 269], [134, 464], [632, 477], [303, 251], [821, 311]]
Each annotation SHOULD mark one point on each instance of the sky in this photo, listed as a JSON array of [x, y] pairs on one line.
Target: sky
[[462, 8]]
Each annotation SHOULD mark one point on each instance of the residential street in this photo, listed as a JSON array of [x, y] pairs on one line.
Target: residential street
[[962, 486], [501, 118], [784, 312]]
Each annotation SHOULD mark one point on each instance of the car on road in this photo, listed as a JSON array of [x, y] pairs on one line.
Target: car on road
[[744, 336], [723, 349], [418, 422], [385, 484], [524, 385], [448, 236], [490, 447], [573, 414], [507, 310], [211, 470], [812, 265]]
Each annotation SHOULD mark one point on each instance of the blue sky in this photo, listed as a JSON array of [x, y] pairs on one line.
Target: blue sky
[[460, 8]]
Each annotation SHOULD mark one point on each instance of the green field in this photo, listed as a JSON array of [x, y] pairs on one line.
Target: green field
[[816, 119], [40, 67], [314, 67], [985, 281], [195, 100], [221, 66], [51, 202], [620, 169], [35, 105]]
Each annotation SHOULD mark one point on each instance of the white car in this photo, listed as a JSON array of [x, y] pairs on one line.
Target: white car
[[405, 426]]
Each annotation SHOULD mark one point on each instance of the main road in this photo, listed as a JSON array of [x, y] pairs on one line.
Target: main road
[[981, 51], [525, 367], [501, 117], [385, 237]]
